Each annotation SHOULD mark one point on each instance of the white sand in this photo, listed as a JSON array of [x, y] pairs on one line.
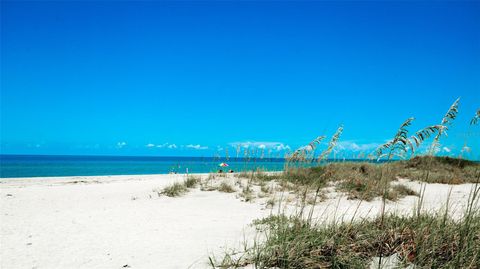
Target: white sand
[[110, 222]]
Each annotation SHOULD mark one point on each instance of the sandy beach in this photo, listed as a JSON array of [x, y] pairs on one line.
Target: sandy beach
[[239, 134], [119, 222]]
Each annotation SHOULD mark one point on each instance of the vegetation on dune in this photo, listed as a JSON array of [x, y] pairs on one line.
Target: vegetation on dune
[[445, 170], [475, 118], [307, 153], [400, 190], [427, 241], [191, 181], [258, 175], [176, 189], [247, 193], [365, 181], [359, 180], [225, 187], [423, 240], [398, 145], [424, 162], [446, 122], [332, 144]]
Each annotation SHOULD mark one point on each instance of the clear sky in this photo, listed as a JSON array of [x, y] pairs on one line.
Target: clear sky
[[189, 78]]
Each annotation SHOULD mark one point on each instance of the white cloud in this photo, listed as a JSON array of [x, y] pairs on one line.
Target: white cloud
[[307, 147], [281, 147], [426, 147], [447, 150], [278, 146], [436, 149], [164, 145], [121, 144], [466, 149], [150, 145], [358, 147], [197, 147]]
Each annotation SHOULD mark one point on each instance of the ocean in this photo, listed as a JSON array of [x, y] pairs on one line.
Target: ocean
[[56, 165], [12, 166]]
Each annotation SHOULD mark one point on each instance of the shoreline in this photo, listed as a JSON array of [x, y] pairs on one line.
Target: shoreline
[[141, 174], [123, 175], [14, 181]]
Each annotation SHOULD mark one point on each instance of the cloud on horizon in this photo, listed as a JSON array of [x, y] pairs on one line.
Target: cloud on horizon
[[164, 145], [353, 146], [197, 147], [278, 146], [121, 144]]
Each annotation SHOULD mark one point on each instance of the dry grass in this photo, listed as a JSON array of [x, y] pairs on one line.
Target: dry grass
[[403, 190], [174, 190], [265, 189], [177, 188], [247, 193], [225, 187], [192, 181], [362, 180], [258, 175], [424, 241], [314, 198], [270, 202], [444, 170], [306, 176], [428, 242]]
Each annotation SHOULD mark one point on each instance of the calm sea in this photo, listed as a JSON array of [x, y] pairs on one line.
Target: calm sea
[[68, 165], [54, 165]]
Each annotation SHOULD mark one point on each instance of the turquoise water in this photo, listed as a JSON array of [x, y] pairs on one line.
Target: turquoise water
[[49, 165], [56, 165]]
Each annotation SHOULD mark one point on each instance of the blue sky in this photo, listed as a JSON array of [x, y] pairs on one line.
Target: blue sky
[[136, 78]]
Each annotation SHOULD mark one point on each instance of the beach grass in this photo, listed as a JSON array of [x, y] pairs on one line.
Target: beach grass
[[191, 181], [420, 239], [427, 240], [179, 188], [225, 187], [174, 190], [445, 170], [403, 190], [247, 193], [366, 181]]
